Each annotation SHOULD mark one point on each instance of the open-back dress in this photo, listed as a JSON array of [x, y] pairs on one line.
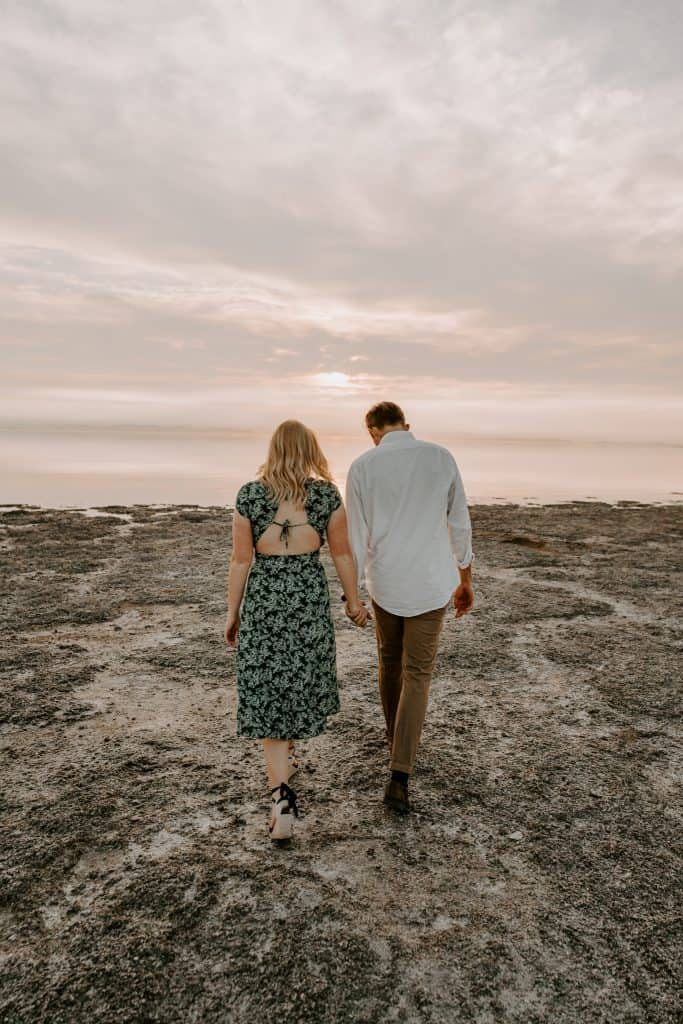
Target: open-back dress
[[286, 653]]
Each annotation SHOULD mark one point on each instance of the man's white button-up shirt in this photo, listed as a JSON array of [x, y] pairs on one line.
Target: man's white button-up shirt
[[409, 523]]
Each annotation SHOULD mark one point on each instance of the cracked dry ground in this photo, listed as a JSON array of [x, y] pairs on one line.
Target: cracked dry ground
[[536, 881]]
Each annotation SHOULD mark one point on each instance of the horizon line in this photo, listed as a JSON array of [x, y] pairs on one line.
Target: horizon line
[[198, 430]]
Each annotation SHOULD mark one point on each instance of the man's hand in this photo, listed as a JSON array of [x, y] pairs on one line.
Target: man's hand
[[463, 598], [232, 629]]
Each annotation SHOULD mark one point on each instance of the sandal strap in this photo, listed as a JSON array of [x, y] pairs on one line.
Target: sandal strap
[[288, 794]]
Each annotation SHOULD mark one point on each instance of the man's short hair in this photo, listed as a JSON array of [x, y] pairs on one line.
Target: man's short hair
[[384, 414]]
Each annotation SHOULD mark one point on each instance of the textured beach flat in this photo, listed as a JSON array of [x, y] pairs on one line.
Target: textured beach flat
[[536, 880]]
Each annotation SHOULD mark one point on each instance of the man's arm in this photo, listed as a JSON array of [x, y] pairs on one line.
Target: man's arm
[[459, 524], [460, 533], [358, 528]]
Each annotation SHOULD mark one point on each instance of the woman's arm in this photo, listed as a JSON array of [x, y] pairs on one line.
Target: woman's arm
[[238, 572], [344, 563]]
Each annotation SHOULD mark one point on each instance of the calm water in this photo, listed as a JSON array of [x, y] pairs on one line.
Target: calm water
[[97, 466]]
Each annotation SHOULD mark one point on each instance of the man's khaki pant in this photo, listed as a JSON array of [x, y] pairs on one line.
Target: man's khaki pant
[[407, 647]]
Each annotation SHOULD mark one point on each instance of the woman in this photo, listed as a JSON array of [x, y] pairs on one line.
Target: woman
[[286, 654]]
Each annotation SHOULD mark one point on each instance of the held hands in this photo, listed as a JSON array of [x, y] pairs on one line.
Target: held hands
[[359, 614]]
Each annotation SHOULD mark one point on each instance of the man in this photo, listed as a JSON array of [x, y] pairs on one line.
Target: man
[[411, 537]]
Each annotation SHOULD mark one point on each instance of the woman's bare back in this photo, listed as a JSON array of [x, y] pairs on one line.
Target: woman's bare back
[[290, 533]]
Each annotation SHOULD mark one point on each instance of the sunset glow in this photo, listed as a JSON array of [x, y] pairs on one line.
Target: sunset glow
[[473, 211], [332, 380]]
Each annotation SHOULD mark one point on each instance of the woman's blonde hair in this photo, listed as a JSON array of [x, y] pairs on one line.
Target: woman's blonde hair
[[294, 455]]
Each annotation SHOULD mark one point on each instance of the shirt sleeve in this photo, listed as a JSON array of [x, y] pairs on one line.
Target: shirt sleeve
[[459, 524], [359, 532]]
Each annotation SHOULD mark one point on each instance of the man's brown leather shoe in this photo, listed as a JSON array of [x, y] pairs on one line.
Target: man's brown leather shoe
[[396, 797]]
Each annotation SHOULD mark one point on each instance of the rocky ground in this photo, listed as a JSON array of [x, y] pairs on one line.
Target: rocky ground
[[537, 880]]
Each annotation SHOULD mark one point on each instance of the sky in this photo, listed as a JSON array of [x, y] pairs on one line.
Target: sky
[[226, 214]]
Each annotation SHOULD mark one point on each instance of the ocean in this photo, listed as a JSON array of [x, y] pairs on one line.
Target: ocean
[[90, 466]]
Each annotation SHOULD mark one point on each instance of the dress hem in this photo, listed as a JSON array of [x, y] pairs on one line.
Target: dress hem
[[302, 735]]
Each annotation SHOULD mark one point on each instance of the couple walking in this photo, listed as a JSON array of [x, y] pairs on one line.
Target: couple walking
[[405, 535]]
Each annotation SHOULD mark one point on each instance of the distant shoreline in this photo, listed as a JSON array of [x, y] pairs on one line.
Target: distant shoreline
[[118, 508]]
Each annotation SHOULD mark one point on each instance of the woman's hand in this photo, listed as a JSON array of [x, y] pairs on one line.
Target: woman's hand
[[358, 614], [232, 629]]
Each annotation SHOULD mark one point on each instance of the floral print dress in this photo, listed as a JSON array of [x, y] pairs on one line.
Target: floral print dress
[[286, 654]]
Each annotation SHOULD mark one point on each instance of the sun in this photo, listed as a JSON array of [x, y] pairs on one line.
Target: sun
[[334, 379]]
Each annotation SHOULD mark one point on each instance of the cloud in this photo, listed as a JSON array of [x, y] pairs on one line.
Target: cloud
[[436, 408], [437, 190], [339, 123]]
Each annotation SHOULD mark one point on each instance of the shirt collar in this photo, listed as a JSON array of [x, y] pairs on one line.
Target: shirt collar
[[397, 437]]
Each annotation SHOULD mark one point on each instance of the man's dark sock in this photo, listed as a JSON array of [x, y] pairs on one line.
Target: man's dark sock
[[401, 777]]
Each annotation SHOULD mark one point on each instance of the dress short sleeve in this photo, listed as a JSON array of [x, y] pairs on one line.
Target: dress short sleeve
[[256, 504], [243, 501], [324, 498], [335, 498]]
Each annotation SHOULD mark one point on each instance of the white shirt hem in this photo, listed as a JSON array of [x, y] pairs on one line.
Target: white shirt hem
[[408, 612]]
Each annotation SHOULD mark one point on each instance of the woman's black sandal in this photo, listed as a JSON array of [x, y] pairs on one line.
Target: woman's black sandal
[[283, 812]]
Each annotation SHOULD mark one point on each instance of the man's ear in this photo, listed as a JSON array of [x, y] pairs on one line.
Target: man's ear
[[407, 426]]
